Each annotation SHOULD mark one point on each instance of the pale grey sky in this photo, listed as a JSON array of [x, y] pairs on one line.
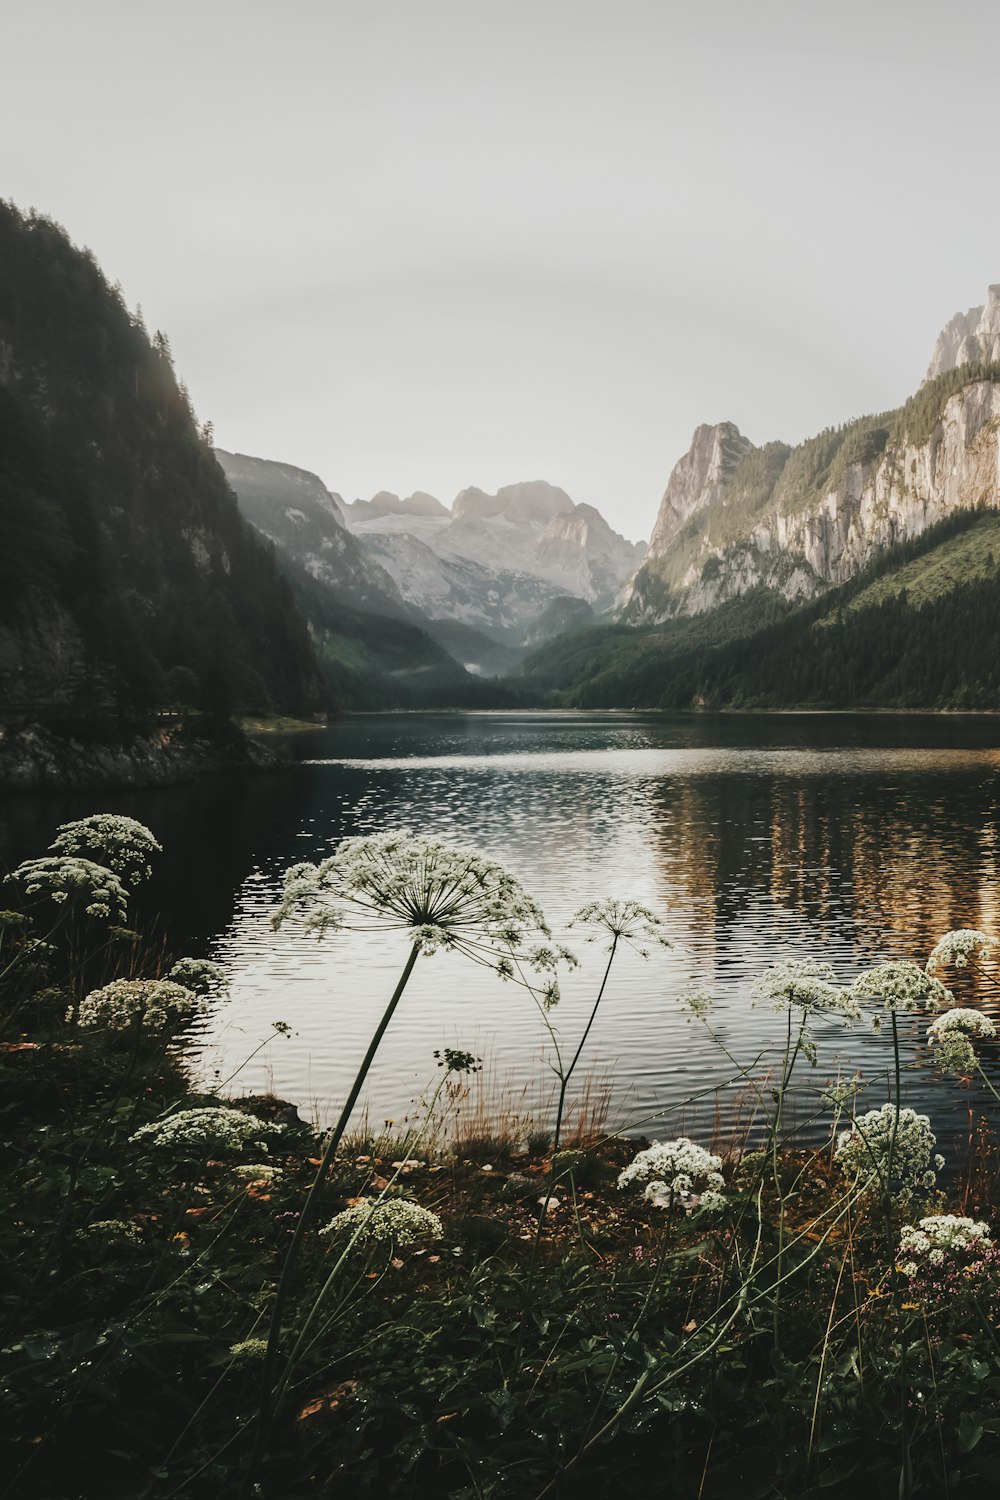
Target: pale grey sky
[[430, 243]]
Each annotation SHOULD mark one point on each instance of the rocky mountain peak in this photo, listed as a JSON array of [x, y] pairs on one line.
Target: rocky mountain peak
[[534, 502], [698, 478], [385, 503], [969, 338]]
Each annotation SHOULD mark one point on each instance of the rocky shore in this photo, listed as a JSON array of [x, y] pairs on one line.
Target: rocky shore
[[36, 756]]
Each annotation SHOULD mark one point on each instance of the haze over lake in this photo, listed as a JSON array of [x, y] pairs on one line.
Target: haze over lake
[[844, 837]]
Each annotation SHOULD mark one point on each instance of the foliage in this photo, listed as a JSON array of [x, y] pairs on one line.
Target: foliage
[[120, 531], [866, 643], [461, 1330]]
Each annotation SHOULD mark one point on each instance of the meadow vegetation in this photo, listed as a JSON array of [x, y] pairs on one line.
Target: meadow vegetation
[[204, 1296]]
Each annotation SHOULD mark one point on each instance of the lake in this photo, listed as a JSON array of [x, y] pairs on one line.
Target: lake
[[849, 838]]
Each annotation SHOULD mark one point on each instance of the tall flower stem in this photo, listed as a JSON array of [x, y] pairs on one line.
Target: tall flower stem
[[567, 1073], [895, 1125], [265, 1411]]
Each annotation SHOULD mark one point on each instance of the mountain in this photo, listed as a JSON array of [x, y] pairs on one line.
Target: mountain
[[861, 567], [496, 561], [305, 522], [918, 628], [128, 579], [377, 649], [798, 520], [970, 338]]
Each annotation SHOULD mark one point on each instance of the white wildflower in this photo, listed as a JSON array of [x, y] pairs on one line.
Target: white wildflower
[[215, 1128], [258, 1172], [248, 1351], [803, 984], [397, 1221], [839, 1092], [939, 1237], [699, 1003], [713, 1202], [959, 946], [199, 974], [623, 922], [949, 1036], [63, 878], [122, 844], [863, 1152], [138, 1002], [111, 1232], [901, 986], [673, 1168], [445, 898]]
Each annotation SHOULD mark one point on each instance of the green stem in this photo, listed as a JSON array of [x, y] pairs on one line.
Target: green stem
[[568, 1072], [265, 1410]]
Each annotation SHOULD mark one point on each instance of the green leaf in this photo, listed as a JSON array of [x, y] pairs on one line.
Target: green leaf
[[970, 1430]]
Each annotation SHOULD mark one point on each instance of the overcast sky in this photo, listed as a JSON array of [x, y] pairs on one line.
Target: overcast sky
[[421, 244]]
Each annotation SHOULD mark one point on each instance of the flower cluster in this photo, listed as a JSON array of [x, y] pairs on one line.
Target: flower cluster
[[214, 1129], [444, 897], [110, 1232], [949, 1036], [698, 1004], [138, 1002], [673, 1168], [901, 986], [804, 984], [122, 844], [623, 922], [397, 1221], [864, 1151], [941, 1237], [959, 946], [199, 974], [258, 1172], [839, 1092], [63, 877], [248, 1351]]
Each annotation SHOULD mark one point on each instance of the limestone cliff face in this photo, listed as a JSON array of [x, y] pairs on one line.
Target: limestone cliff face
[[698, 479], [731, 539], [970, 338]]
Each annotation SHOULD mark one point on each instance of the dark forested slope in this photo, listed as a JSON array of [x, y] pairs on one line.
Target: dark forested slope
[[918, 628], [128, 578]]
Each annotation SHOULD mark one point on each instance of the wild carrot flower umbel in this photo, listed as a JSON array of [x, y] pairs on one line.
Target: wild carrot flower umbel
[[938, 1238], [138, 1002], [890, 1150], [122, 844], [198, 974], [957, 947], [804, 984], [215, 1129], [674, 1167], [901, 986], [622, 922], [445, 898], [949, 1036], [397, 1221], [70, 881]]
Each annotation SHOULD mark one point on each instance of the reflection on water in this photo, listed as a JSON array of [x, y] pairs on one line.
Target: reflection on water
[[846, 837]]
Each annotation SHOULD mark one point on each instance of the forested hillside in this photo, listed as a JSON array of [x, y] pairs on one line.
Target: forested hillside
[[919, 628], [128, 578]]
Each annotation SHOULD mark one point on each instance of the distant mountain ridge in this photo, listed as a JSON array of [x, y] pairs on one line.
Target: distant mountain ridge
[[502, 559]]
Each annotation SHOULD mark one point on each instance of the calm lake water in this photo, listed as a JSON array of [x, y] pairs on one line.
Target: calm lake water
[[844, 837]]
